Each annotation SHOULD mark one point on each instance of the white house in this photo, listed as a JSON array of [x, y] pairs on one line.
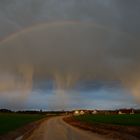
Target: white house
[[82, 112], [120, 112], [76, 112], [94, 112]]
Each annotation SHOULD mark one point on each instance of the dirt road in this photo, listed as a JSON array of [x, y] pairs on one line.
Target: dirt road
[[56, 129]]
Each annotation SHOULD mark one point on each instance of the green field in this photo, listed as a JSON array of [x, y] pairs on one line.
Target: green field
[[12, 121], [124, 119]]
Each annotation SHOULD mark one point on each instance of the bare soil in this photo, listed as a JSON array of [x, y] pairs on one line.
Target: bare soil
[[108, 130]]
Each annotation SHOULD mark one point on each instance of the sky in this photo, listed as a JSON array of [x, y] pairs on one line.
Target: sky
[[63, 55]]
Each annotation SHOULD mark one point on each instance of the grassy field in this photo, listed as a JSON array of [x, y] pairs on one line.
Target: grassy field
[[124, 119], [12, 121]]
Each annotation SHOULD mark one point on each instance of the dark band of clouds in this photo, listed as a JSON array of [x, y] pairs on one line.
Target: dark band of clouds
[[117, 14]]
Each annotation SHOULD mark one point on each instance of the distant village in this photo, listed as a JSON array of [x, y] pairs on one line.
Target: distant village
[[106, 112], [76, 112]]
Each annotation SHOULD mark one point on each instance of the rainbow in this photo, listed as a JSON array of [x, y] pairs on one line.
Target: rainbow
[[58, 23]]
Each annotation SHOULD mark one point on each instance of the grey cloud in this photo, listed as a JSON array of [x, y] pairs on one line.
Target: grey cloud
[[120, 15]]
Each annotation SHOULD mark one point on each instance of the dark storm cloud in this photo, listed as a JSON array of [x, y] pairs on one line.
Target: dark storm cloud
[[129, 15], [117, 14]]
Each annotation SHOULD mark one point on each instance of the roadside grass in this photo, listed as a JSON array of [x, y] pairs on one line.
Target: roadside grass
[[12, 121], [124, 119]]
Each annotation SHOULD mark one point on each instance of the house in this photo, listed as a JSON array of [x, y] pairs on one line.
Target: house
[[94, 112], [126, 111], [76, 112]]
